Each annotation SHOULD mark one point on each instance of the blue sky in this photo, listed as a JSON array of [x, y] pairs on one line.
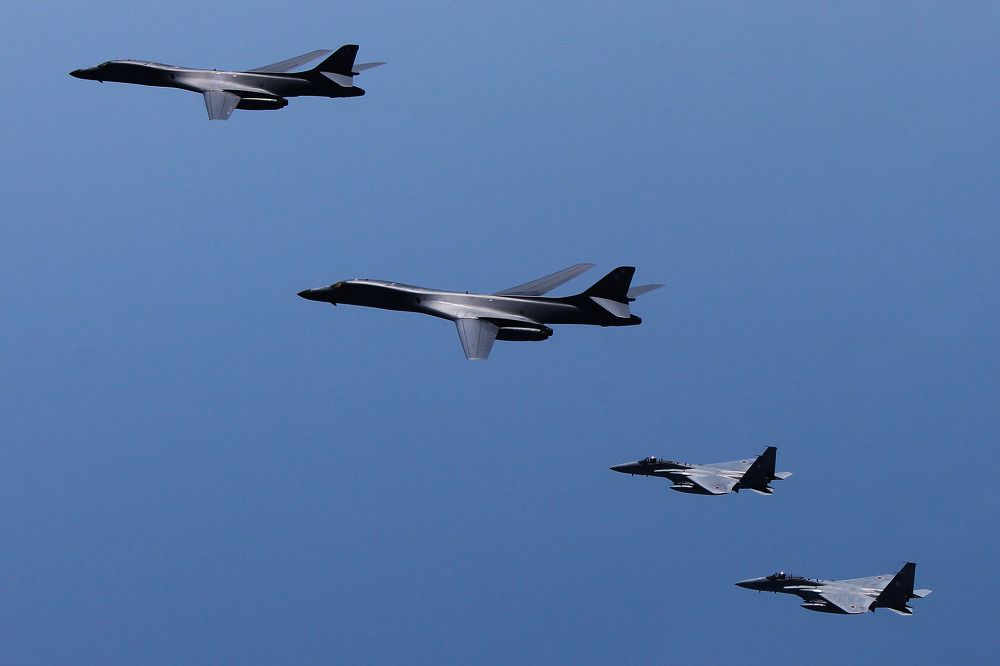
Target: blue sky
[[199, 467]]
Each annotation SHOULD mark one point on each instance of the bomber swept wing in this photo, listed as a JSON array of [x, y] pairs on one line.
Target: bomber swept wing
[[291, 63], [548, 283]]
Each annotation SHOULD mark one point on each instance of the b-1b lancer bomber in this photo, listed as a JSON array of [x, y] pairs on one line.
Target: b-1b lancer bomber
[[713, 479], [518, 313], [847, 597], [258, 89]]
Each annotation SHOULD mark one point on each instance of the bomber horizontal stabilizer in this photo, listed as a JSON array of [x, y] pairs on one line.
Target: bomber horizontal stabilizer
[[635, 292], [357, 69]]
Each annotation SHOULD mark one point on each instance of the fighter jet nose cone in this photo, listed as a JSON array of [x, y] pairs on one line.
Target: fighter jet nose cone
[[78, 73], [748, 584], [305, 293]]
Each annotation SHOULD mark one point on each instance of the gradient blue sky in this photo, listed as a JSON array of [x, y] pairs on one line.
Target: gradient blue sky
[[199, 467]]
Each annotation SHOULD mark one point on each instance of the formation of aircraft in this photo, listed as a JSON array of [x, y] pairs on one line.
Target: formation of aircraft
[[713, 479], [263, 88], [518, 313], [850, 597]]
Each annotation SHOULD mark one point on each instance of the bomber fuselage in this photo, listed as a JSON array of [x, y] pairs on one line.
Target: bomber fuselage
[[199, 80], [577, 309]]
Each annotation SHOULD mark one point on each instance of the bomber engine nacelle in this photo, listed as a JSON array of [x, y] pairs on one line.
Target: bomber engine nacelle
[[262, 103], [523, 333]]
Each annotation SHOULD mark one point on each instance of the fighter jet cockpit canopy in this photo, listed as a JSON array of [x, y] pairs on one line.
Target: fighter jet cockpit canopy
[[781, 575], [651, 460]]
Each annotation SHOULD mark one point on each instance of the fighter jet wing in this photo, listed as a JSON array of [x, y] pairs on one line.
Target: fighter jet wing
[[220, 104], [847, 602], [738, 466], [871, 582], [477, 337], [291, 63], [547, 283], [712, 483]]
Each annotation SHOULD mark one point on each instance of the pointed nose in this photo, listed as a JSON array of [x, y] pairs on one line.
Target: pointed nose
[[320, 294], [750, 583], [78, 73], [311, 294], [620, 468]]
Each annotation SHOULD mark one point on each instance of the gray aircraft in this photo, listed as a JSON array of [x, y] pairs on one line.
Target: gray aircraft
[[847, 597], [518, 313], [715, 479], [258, 89]]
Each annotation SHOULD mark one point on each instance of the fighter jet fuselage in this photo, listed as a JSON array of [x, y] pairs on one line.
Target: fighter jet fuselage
[[711, 479], [845, 597]]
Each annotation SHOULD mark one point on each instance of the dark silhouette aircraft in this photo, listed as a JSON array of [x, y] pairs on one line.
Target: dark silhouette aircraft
[[848, 597], [518, 313], [712, 479], [257, 89]]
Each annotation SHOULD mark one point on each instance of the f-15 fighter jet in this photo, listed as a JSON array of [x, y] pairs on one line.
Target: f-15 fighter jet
[[715, 479], [518, 313], [849, 597], [258, 89]]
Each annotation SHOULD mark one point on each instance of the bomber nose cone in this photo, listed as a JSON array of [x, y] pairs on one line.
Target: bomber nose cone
[[320, 295]]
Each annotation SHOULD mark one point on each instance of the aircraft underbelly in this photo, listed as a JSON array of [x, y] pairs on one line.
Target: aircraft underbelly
[[496, 307], [275, 86]]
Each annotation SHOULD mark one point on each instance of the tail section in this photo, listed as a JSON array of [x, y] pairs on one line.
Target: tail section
[[340, 67], [341, 62], [900, 590], [613, 286], [611, 291], [761, 472]]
